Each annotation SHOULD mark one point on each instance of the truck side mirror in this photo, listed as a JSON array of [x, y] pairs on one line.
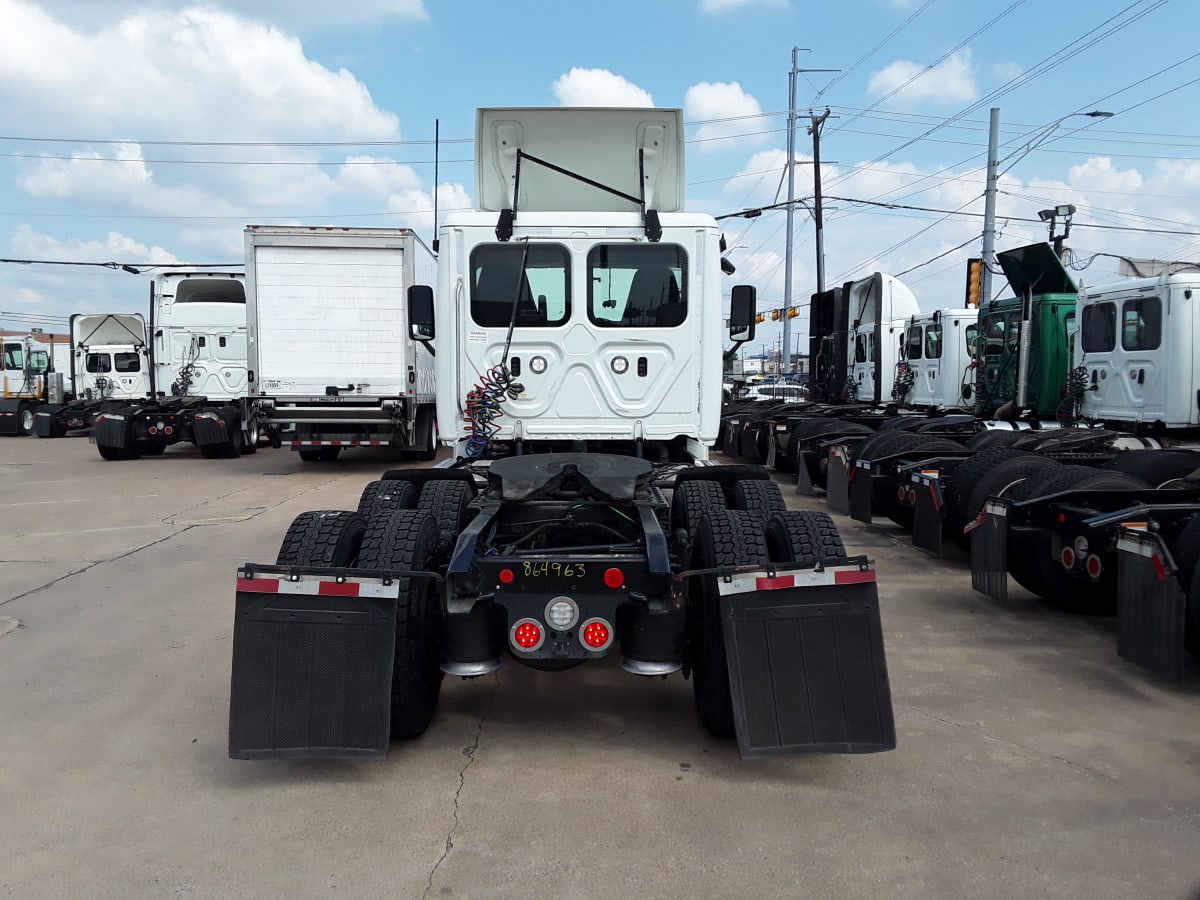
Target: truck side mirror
[[743, 301], [420, 313]]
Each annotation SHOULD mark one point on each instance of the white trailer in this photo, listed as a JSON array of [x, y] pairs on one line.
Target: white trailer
[[331, 362]]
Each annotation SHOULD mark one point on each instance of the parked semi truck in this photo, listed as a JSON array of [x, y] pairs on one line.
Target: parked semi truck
[[32, 373], [109, 368], [198, 379], [331, 360], [578, 318]]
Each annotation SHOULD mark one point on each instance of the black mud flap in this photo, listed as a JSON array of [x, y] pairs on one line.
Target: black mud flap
[[837, 484], [1151, 607], [862, 487], [806, 662], [208, 431], [989, 550], [929, 512], [804, 482], [48, 421], [110, 431], [10, 418], [312, 665]]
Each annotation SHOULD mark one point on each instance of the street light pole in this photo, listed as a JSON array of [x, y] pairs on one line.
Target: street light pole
[[993, 176]]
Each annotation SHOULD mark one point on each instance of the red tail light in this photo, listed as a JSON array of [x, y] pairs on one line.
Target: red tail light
[[614, 578], [596, 634], [506, 576], [527, 635]]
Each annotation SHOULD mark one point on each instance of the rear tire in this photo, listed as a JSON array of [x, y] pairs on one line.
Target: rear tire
[[446, 501], [386, 494], [692, 499], [322, 538], [760, 497], [723, 538], [1158, 468], [798, 536], [405, 540], [234, 444]]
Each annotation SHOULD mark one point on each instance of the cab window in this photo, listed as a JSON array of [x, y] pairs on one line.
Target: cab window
[[98, 363], [1098, 328], [1141, 324], [860, 348], [14, 357], [933, 341], [971, 332], [637, 286], [210, 290], [129, 362], [912, 345], [534, 277]]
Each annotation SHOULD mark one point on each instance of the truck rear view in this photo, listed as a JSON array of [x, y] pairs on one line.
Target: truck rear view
[[331, 362]]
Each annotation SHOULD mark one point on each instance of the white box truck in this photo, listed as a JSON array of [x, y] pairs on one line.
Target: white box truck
[[331, 363]]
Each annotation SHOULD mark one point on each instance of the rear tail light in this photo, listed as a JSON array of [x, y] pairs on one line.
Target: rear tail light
[[1094, 566], [527, 635], [596, 634]]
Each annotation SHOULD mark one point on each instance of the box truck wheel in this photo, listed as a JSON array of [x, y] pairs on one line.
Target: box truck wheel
[[404, 540], [724, 537]]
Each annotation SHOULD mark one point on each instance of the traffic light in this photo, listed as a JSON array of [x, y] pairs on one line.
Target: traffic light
[[974, 281], [793, 312], [775, 314]]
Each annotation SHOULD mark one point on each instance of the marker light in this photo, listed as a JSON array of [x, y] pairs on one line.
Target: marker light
[[506, 576], [537, 365], [596, 634], [620, 365], [527, 635], [614, 578], [561, 613]]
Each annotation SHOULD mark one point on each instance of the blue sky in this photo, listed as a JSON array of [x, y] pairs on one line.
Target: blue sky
[[153, 132]]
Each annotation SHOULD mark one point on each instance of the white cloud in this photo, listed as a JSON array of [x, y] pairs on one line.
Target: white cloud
[[951, 81], [710, 103], [114, 247], [598, 87], [714, 7]]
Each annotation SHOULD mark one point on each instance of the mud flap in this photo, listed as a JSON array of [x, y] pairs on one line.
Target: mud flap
[[989, 551], [48, 421], [1151, 607], [109, 431], [929, 512], [312, 664], [10, 418], [861, 489], [806, 662], [837, 484], [804, 482], [208, 430]]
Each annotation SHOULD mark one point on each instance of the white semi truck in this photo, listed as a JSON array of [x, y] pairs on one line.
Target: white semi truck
[[198, 380], [331, 361], [578, 319], [27, 378], [109, 365]]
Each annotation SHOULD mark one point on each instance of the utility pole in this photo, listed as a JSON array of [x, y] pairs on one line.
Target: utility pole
[[818, 219], [989, 208], [791, 201]]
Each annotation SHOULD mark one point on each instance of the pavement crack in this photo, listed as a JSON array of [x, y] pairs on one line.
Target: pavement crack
[[1079, 767], [469, 753], [92, 565]]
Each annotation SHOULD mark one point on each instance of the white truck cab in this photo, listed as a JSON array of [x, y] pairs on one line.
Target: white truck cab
[[936, 354], [878, 308], [110, 359]]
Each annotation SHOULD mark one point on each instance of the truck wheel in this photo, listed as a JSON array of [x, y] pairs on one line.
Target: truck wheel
[[386, 494], [884, 500], [1159, 468], [250, 435], [763, 498], [25, 419], [446, 501], [405, 540], [990, 473], [803, 537], [322, 538], [1043, 574], [724, 537], [232, 448], [818, 471], [692, 499]]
